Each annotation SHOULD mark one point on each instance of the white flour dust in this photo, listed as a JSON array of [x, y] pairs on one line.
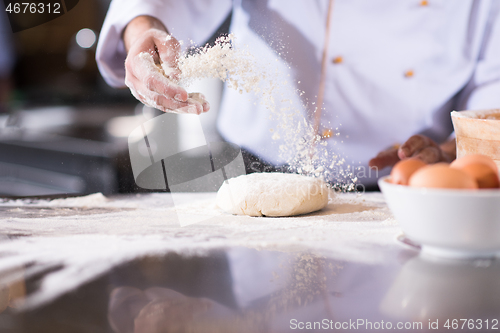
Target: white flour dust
[[304, 151], [87, 236], [224, 61]]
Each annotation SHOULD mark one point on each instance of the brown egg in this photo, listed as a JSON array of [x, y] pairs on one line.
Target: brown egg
[[459, 163], [440, 175], [484, 175], [402, 171]]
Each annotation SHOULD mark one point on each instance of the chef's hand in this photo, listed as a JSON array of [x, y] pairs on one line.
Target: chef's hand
[[418, 146], [151, 70]]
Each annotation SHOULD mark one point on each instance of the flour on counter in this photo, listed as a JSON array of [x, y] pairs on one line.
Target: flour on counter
[[92, 200], [85, 246]]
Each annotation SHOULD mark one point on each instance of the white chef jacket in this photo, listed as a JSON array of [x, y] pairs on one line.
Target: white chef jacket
[[395, 67]]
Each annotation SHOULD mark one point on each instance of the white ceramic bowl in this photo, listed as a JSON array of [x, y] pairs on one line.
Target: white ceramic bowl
[[447, 222], [431, 288]]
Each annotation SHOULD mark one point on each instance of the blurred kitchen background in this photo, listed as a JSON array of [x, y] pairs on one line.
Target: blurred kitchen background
[[63, 131]]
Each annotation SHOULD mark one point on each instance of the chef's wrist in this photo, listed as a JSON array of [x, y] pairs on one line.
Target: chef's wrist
[[137, 27]]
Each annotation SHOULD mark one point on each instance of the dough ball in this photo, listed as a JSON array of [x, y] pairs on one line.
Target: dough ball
[[272, 194]]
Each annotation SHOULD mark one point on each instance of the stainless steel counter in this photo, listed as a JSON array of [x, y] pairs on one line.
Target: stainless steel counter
[[163, 263]]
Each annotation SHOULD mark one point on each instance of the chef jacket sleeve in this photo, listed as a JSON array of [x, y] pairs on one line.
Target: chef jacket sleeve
[[483, 91], [186, 20]]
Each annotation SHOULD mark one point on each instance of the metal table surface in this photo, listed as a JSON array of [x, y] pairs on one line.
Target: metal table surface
[[175, 263]]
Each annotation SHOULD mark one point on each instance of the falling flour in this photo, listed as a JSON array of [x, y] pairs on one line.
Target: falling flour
[[222, 61], [300, 146]]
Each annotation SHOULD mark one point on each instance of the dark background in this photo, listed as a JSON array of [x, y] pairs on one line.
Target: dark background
[[54, 106]]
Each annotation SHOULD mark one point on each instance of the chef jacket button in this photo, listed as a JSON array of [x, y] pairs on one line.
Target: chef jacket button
[[337, 60], [409, 73], [327, 133], [424, 3]]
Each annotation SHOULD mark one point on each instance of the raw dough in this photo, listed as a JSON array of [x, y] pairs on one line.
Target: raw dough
[[272, 194]]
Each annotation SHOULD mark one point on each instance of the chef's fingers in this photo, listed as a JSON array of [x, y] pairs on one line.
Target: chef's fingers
[[148, 61], [145, 70], [429, 155], [147, 45], [201, 99], [206, 106], [192, 107], [414, 145], [143, 61], [160, 84], [159, 101], [384, 159], [169, 50], [165, 103]]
